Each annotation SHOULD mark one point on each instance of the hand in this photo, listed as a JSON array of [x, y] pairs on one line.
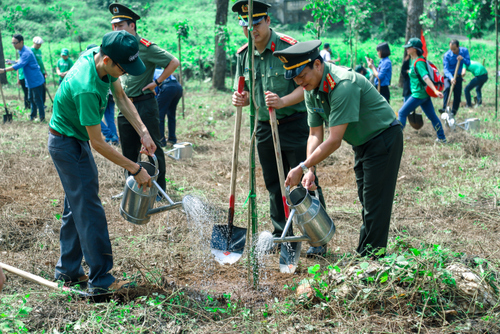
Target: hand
[[2, 279], [439, 94], [369, 62], [453, 81], [2, 70], [293, 177], [240, 100], [274, 101], [459, 58], [151, 87], [149, 146], [308, 181], [143, 180]]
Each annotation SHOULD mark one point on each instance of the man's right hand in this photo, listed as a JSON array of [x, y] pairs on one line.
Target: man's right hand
[[240, 100], [143, 179]]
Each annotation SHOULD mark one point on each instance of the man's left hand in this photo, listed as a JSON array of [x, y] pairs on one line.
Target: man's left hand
[[293, 177], [151, 87], [149, 146], [274, 101]]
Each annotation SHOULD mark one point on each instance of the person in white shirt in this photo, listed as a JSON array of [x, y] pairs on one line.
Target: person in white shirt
[[326, 54]]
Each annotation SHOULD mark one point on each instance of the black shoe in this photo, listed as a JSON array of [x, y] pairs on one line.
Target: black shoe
[[441, 111], [316, 251]]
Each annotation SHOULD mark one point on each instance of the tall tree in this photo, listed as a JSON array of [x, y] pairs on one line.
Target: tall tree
[[413, 27], [3, 76], [220, 45]]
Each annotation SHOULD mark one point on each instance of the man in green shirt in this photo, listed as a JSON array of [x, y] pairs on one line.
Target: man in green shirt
[[141, 89], [272, 90], [357, 113], [79, 105], [480, 77], [64, 64], [37, 44]]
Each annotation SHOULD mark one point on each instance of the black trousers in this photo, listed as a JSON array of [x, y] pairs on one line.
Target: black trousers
[[293, 142], [130, 140], [386, 93], [376, 165], [457, 93], [27, 103]]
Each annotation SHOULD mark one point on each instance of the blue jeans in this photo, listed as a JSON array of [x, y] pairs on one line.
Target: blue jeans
[[170, 94], [84, 230], [426, 105], [108, 129], [36, 100], [477, 82]]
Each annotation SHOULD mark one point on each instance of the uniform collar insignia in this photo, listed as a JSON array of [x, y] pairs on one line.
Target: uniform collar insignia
[[273, 47], [325, 87]]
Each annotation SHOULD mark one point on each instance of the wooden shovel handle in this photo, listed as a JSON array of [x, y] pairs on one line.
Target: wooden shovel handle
[[453, 86], [30, 277]]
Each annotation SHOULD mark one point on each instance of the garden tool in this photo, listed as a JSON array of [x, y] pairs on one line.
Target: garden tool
[[448, 116], [7, 117], [181, 151], [415, 119], [137, 202], [290, 252], [42, 281], [228, 241]]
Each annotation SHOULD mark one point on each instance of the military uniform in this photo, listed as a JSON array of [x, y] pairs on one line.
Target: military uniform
[[292, 120], [144, 101], [346, 97]]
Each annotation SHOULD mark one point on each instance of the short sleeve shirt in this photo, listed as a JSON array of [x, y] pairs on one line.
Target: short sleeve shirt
[[81, 98], [417, 87], [151, 55], [346, 97], [64, 65], [476, 68], [38, 56], [269, 75]]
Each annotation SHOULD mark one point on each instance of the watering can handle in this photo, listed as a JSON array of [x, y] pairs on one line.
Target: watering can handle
[[154, 159], [287, 194]]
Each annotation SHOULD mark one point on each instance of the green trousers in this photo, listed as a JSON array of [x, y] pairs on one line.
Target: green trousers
[[293, 141], [376, 166]]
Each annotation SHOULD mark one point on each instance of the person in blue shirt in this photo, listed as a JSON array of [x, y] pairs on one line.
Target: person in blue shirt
[[168, 95], [455, 54], [32, 74], [383, 73]]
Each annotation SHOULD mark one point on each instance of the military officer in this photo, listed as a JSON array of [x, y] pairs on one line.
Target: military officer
[[272, 90], [356, 113], [140, 89]]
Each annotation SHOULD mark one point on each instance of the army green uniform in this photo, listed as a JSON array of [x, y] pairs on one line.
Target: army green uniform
[[292, 121], [346, 97], [145, 103]]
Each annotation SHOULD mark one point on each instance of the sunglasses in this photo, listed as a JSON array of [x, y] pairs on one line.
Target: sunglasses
[[121, 68], [15, 43]]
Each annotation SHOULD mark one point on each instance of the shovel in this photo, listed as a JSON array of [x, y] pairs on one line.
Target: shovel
[[8, 116], [228, 241], [290, 251], [448, 115]]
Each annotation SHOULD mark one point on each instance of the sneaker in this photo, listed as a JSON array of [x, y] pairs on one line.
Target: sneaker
[[114, 287], [441, 141], [316, 251]]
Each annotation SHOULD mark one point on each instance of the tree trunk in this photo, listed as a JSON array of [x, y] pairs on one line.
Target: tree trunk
[[3, 76], [220, 63], [413, 26]]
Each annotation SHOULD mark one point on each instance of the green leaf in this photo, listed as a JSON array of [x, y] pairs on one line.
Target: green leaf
[[384, 277], [364, 265], [313, 269]]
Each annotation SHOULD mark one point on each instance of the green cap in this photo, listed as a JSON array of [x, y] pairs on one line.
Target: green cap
[[122, 13], [413, 43], [64, 52], [259, 11], [297, 56], [123, 49]]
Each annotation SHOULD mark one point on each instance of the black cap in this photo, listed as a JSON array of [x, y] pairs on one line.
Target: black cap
[[122, 47], [122, 13], [326, 46], [259, 11], [296, 57]]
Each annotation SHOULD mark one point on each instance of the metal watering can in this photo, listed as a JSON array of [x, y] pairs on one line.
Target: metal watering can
[[137, 204], [470, 124], [181, 151], [310, 217]]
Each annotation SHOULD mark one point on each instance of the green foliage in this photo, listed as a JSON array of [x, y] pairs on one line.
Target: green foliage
[[12, 313], [324, 12]]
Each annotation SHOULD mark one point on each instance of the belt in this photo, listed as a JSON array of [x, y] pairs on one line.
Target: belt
[[142, 98], [395, 122], [288, 119], [54, 132]]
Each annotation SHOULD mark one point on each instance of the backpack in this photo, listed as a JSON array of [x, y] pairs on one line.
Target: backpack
[[436, 78]]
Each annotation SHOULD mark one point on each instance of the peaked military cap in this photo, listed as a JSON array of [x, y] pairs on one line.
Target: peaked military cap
[[259, 11], [122, 13], [296, 57]]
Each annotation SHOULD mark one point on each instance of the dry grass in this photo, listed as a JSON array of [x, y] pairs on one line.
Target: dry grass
[[446, 195]]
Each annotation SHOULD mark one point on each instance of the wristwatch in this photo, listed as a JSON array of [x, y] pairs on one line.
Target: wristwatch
[[304, 168]]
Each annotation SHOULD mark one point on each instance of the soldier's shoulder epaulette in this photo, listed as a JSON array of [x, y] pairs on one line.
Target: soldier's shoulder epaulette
[[288, 39], [145, 42], [243, 48]]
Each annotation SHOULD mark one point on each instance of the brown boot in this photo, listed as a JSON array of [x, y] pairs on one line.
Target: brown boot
[[80, 281]]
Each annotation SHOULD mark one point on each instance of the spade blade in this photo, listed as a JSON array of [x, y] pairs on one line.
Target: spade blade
[[227, 253], [289, 256]]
